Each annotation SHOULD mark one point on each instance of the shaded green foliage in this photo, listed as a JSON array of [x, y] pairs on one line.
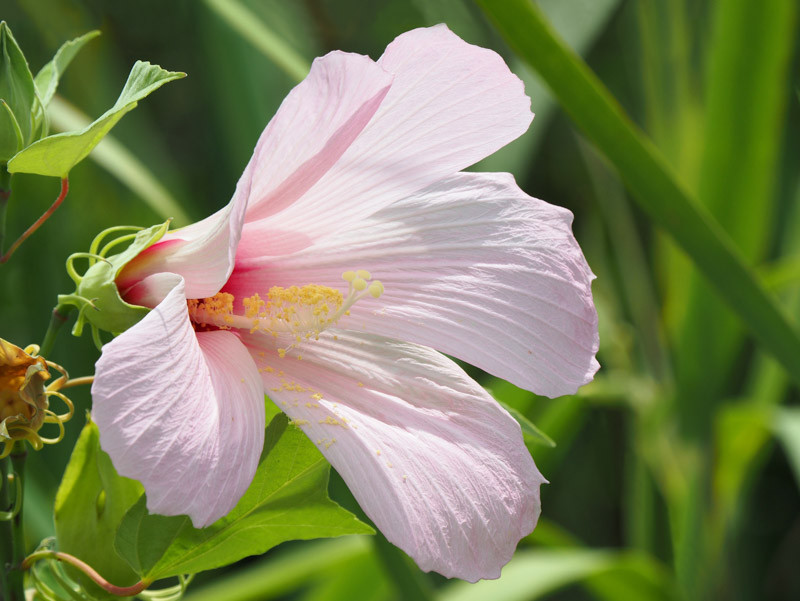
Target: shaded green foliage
[[287, 500]]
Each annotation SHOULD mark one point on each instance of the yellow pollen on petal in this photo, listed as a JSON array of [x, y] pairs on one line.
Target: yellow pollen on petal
[[293, 314]]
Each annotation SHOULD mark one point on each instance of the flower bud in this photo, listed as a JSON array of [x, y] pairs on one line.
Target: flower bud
[[24, 405], [17, 95], [96, 294]]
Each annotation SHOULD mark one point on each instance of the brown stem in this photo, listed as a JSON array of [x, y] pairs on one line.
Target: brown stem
[[40, 221], [119, 591]]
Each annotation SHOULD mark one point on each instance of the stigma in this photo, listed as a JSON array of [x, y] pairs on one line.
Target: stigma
[[301, 312]]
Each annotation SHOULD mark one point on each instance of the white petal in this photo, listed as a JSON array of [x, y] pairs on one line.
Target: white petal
[[450, 105], [202, 253], [434, 461], [473, 267], [176, 410], [314, 126]]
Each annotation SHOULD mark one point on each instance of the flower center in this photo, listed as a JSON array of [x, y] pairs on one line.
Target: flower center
[[301, 312]]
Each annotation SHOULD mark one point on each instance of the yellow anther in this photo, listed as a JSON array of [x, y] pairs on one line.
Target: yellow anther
[[219, 305], [295, 314], [376, 289]]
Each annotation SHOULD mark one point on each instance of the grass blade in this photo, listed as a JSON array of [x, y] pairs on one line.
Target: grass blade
[[250, 27]]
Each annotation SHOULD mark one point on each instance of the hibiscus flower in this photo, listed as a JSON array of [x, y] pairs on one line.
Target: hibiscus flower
[[354, 246]]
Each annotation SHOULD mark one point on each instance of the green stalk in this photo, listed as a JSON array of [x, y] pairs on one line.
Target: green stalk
[[6, 530], [640, 494], [57, 319], [5, 194], [16, 577]]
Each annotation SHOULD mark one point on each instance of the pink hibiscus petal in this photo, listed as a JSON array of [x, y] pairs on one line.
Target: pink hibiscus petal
[[473, 267], [177, 410], [314, 125], [434, 461], [450, 105], [202, 253], [152, 290]]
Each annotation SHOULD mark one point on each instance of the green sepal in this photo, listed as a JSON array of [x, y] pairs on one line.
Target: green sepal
[[56, 155], [108, 311], [10, 134], [18, 92], [287, 500], [90, 504]]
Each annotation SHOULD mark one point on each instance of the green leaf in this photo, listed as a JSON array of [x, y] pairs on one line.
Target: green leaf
[[89, 507], [529, 429], [741, 431], [787, 428], [749, 66], [532, 574], [288, 500], [408, 580], [647, 175], [18, 92], [274, 577], [46, 79], [255, 31], [122, 164], [56, 155]]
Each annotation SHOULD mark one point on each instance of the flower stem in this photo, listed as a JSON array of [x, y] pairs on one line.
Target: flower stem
[[119, 591], [6, 530], [5, 194], [14, 543], [57, 319], [40, 221]]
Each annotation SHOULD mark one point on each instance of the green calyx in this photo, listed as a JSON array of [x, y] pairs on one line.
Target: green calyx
[[97, 296]]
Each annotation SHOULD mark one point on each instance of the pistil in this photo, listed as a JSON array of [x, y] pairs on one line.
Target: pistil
[[302, 312]]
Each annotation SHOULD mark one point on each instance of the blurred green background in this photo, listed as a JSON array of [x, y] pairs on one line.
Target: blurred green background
[[676, 472]]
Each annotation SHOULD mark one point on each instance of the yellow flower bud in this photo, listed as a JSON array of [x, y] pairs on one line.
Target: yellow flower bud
[[24, 404]]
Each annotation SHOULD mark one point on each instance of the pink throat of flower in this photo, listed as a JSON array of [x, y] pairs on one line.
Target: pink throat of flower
[[298, 312]]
